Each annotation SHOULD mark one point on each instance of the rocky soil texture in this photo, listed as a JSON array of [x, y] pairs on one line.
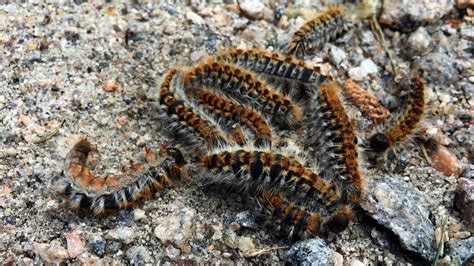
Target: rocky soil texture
[[84, 68]]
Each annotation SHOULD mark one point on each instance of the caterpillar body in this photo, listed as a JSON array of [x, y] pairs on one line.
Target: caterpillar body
[[245, 87], [228, 110], [405, 123], [317, 31], [91, 197], [337, 147], [185, 121], [286, 72]]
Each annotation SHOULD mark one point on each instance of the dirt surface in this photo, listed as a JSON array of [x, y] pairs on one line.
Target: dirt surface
[[87, 69]]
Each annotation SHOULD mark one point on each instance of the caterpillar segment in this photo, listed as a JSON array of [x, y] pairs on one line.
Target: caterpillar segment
[[294, 219], [186, 123], [262, 169], [245, 87], [406, 123], [291, 75], [367, 103], [336, 146], [92, 197], [235, 114], [317, 31], [289, 217]]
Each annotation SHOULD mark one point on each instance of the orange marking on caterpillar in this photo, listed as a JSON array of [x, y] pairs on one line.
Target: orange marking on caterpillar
[[237, 113], [317, 31], [186, 116], [406, 123], [365, 102], [243, 85], [274, 65], [302, 219], [296, 218], [91, 196], [329, 98], [265, 169]]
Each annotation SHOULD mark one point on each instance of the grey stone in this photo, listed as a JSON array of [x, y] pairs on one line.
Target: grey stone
[[367, 66], [138, 255], [309, 252], [407, 15], [419, 41], [176, 228], [112, 247], [195, 18], [97, 246], [336, 55], [464, 200], [252, 8], [439, 66], [121, 234], [172, 252], [246, 219], [461, 251], [396, 205]]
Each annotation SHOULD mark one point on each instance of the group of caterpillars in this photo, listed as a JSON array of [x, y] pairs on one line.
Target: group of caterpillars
[[226, 112]]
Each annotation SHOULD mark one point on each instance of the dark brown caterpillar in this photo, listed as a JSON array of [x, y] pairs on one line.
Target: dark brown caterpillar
[[245, 87], [88, 193], [255, 170], [293, 218], [232, 111], [317, 31], [406, 123], [283, 71], [335, 143], [186, 123]]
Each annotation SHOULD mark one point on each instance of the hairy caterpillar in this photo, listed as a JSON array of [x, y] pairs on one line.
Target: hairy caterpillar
[[405, 123], [293, 218], [260, 169], [287, 215], [230, 110], [367, 104], [286, 72], [186, 122], [245, 87], [337, 146], [317, 31], [84, 193]]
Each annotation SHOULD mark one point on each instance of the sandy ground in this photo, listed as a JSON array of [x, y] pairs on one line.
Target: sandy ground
[[86, 69]]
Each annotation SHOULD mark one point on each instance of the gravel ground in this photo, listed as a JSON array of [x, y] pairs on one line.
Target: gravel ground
[[86, 69]]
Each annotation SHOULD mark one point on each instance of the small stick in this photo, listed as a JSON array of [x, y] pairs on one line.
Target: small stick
[[51, 134], [384, 43], [262, 251]]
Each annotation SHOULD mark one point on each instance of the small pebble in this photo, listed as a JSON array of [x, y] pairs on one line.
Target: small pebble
[[176, 228], [419, 41], [97, 246], [445, 162], [138, 215], [53, 253], [123, 234], [309, 252], [252, 8], [246, 245], [198, 55], [172, 252], [110, 85], [195, 18], [336, 55], [138, 255], [75, 244]]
